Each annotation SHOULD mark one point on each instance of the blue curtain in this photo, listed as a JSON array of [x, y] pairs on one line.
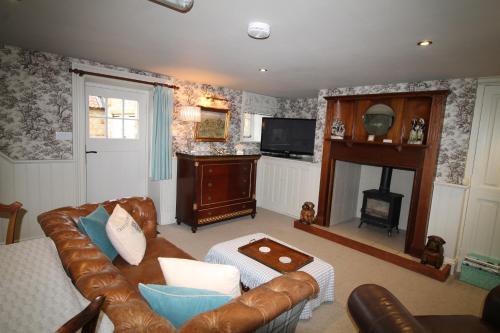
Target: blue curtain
[[161, 155]]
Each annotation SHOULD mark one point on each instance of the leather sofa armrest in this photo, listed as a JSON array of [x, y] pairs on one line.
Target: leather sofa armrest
[[256, 307], [377, 310], [491, 308]]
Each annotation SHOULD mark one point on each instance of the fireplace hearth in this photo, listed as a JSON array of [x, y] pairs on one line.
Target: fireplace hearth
[[381, 207]]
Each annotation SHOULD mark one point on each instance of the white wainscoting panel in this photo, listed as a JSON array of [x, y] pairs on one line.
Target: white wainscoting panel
[[345, 192], [40, 186], [446, 215], [164, 195], [283, 185]]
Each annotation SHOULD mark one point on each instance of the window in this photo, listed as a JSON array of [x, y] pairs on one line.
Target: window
[[113, 118], [251, 127]]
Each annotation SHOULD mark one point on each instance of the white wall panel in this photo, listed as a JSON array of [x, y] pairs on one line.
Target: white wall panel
[[283, 185], [446, 215], [164, 195], [345, 192], [40, 186]]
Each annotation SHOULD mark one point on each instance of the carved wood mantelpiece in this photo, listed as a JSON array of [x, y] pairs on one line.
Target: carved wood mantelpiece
[[355, 147]]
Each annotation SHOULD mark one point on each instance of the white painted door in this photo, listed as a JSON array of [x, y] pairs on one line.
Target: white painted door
[[482, 223], [116, 131]]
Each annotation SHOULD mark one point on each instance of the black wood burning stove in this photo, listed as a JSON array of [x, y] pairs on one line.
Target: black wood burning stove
[[382, 207]]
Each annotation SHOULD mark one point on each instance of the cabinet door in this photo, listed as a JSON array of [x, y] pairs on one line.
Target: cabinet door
[[226, 182]]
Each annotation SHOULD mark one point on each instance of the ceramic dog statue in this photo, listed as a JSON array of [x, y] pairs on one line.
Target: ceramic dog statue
[[433, 252], [307, 213], [417, 131]]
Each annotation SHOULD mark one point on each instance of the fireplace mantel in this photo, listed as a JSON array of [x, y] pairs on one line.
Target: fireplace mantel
[[355, 147]]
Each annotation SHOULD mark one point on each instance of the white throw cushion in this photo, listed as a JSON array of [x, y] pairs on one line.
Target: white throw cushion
[[126, 236], [201, 275]]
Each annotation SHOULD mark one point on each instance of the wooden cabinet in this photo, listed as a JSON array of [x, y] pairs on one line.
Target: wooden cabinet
[[215, 188]]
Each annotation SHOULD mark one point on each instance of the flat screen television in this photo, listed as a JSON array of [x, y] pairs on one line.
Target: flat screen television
[[286, 136]]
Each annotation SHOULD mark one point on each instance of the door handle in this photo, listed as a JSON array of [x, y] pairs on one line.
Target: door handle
[[90, 152]]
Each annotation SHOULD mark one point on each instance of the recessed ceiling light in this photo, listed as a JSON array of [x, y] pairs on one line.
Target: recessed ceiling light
[[263, 70], [425, 42]]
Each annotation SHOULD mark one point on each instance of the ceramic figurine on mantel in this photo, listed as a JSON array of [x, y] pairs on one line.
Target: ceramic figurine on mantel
[[338, 129], [417, 131]]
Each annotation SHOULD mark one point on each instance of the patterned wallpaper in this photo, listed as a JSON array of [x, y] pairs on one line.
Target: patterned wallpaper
[[35, 102], [456, 127], [297, 108]]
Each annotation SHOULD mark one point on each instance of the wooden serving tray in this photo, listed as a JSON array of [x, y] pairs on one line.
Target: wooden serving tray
[[271, 258]]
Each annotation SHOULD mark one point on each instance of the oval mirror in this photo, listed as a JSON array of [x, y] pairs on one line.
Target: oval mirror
[[378, 119]]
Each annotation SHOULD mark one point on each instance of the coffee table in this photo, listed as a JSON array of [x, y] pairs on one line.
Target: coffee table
[[253, 273]]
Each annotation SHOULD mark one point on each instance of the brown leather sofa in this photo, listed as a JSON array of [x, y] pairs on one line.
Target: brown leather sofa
[[93, 274], [377, 310]]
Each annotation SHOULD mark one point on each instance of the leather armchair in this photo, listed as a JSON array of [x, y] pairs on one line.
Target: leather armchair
[[94, 274], [377, 310]]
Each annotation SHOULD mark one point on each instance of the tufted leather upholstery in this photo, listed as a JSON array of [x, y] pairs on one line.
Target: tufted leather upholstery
[[94, 274], [377, 310]]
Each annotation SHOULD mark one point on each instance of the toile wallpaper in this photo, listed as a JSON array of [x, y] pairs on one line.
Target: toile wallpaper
[[36, 102], [456, 127], [297, 108]]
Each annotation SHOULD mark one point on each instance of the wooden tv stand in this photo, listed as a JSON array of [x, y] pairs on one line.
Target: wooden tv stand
[[213, 188]]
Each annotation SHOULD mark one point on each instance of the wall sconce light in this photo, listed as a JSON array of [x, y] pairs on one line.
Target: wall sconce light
[[215, 98], [190, 113]]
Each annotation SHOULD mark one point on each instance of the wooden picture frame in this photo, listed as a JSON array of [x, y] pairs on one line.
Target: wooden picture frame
[[214, 125]]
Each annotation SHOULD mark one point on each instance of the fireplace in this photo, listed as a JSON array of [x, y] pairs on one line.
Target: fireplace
[[381, 207]]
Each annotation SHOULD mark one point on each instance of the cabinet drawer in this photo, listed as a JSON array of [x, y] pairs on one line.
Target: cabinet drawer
[[216, 190], [226, 212], [235, 169]]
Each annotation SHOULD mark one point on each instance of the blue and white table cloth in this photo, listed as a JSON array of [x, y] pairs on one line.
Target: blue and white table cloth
[[254, 273]]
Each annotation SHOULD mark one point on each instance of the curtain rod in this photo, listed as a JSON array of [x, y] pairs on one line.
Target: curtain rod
[[82, 73]]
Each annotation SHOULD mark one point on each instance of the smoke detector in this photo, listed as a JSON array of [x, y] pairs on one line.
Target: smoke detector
[[259, 30]]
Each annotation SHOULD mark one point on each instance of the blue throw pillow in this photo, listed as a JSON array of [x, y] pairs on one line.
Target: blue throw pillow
[[94, 226], [179, 304]]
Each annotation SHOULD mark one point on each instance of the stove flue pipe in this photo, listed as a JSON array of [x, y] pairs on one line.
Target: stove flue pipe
[[385, 180]]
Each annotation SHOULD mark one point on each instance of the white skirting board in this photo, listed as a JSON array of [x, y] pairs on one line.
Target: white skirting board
[[40, 186]]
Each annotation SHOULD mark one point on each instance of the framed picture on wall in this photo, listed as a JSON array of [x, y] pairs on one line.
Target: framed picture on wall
[[214, 125]]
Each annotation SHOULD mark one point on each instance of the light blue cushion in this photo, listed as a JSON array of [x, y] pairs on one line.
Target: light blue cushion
[[179, 304], [94, 226]]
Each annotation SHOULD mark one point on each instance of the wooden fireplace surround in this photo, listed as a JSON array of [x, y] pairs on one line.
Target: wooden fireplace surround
[[422, 159]]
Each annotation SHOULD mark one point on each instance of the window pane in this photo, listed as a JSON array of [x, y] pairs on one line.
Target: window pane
[[97, 127], [131, 109], [257, 127], [115, 108], [115, 128], [131, 130], [97, 106], [247, 125]]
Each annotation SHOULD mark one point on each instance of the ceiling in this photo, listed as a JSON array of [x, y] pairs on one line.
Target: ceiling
[[314, 44]]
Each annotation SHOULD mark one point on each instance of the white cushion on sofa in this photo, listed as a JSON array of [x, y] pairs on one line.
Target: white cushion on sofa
[[126, 236], [201, 275]]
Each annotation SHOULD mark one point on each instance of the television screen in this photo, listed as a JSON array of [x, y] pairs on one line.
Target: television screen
[[288, 136]]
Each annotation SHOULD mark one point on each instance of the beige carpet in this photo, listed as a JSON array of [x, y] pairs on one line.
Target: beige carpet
[[420, 294]]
